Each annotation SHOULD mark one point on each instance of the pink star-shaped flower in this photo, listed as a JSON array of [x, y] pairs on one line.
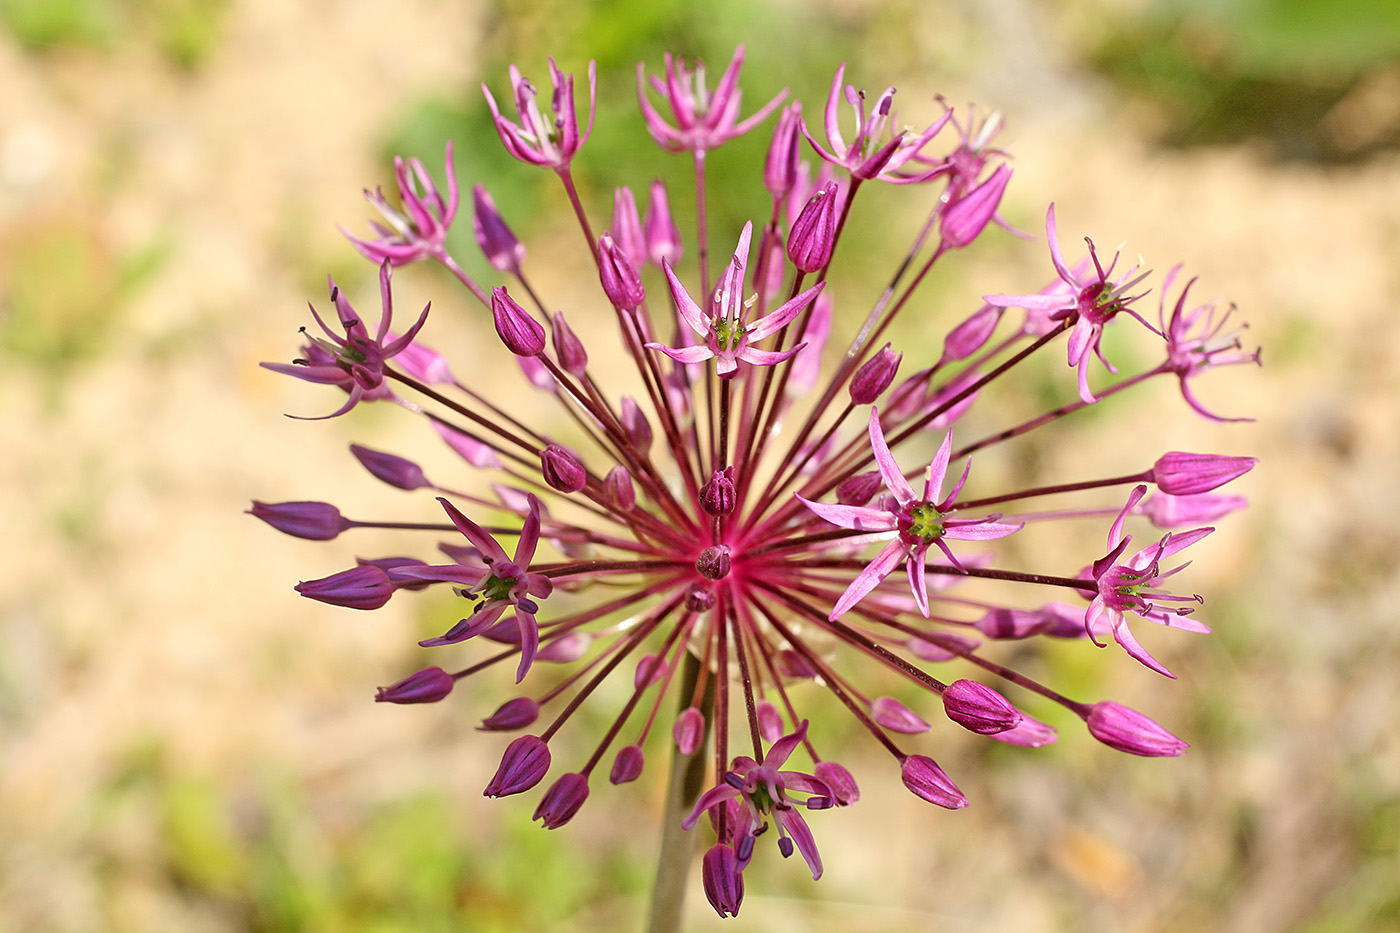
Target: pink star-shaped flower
[[919, 522]]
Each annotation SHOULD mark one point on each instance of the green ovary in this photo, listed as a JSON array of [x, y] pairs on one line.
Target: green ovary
[[926, 521]]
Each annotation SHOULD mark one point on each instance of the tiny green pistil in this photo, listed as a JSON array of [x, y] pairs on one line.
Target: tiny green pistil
[[926, 521], [727, 333], [497, 588]]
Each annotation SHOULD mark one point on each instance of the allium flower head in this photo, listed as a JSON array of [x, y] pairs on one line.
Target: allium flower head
[[1198, 340], [720, 541]]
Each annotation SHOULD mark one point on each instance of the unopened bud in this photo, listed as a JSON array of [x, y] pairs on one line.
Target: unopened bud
[[314, 521], [688, 730], [662, 235], [717, 497], [521, 333], [1183, 474], [397, 471], [699, 598], [1127, 730], [814, 232], [572, 357], [357, 588], [964, 220], [627, 766], [621, 283], [978, 708], [713, 562], [859, 489], [562, 800], [925, 779], [875, 376], [426, 686], [562, 470], [627, 227], [618, 491], [896, 717], [503, 249], [511, 715], [524, 764]]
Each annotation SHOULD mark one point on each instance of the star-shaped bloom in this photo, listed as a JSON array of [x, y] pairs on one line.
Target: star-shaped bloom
[[1197, 340], [729, 340], [498, 581], [418, 229], [1134, 585], [869, 155], [550, 143], [759, 790], [703, 120], [919, 523], [1090, 302], [356, 360]]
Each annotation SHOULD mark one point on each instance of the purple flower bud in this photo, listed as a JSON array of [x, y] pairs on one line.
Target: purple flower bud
[[971, 335], [978, 708], [896, 717], [688, 730], [874, 376], [1182, 474], [357, 588], [627, 227], [843, 787], [699, 598], [390, 564], [315, 521], [539, 375], [522, 767], [713, 562], [723, 880], [717, 497], [564, 649], [562, 470], [397, 471], [621, 283], [562, 800], [635, 424], [476, 452], [426, 686], [859, 489], [649, 671], [922, 775], [784, 152], [503, 250], [1012, 623], [1127, 730], [618, 492], [424, 364], [627, 766], [813, 234], [662, 235], [943, 648], [521, 333], [791, 664], [965, 219], [1166, 511], [511, 715], [1029, 733], [770, 721], [567, 346]]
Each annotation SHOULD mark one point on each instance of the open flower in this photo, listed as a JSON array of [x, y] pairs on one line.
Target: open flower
[[549, 143], [918, 522], [870, 154], [703, 120], [1133, 585], [1198, 340], [419, 228], [729, 340]]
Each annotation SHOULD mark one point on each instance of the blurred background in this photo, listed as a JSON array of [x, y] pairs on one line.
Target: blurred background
[[186, 744]]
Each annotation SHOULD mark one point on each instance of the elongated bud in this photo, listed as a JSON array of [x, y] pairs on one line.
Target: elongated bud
[[784, 152], [397, 471], [562, 470], [627, 766], [843, 787], [565, 649], [627, 227], [511, 715], [896, 717], [1166, 511], [814, 232], [621, 283], [971, 335], [357, 588], [806, 367], [314, 521], [964, 220], [859, 489], [791, 664], [978, 708], [618, 491], [521, 333], [476, 452], [875, 376], [424, 364], [635, 424], [662, 235], [562, 800], [1127, 730], [723, 880], [1028, 733], [426, 686], [713, 562], [925, 779], [524, 764], [503, 249], [1012, 623], [567, 346], [699, 598], [391, 564], [688, 730], [1183, 474], [649, 671], [770, 721], [717, 497]]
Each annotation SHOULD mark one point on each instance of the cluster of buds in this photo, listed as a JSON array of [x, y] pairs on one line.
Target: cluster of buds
[[724, 518]]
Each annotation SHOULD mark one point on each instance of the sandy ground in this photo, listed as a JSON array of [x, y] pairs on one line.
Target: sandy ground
[[142, 615]]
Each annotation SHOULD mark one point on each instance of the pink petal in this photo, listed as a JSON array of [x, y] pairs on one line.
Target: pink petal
[[889, 470]]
